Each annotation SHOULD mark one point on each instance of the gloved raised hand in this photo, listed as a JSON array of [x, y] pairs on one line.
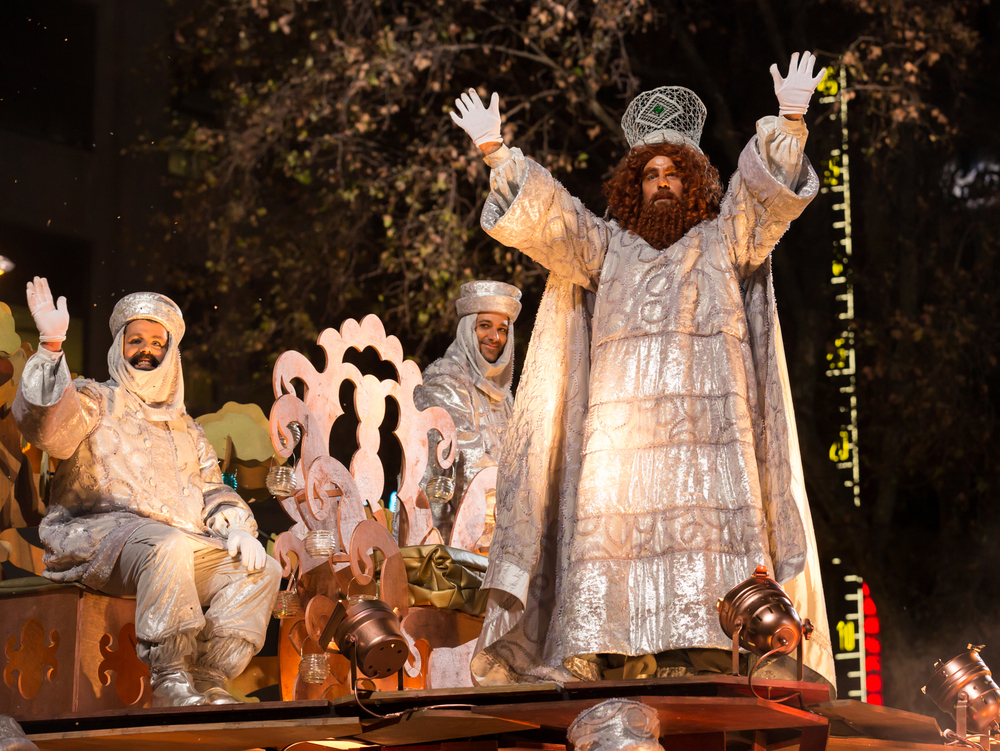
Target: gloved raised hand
[[482, 125], [796, 89], [52, 320], [248, 547]]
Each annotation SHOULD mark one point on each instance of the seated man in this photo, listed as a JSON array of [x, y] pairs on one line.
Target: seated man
[[472, 382], [138, 503]]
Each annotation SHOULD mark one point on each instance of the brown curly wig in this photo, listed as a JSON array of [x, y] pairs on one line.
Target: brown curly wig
[[663, 226]]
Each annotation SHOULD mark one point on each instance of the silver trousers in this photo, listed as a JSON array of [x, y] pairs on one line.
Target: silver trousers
[[172, 575]]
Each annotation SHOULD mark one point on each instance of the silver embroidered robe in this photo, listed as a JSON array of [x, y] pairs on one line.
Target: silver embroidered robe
[[118, 471], [651, 462], [480, 422]]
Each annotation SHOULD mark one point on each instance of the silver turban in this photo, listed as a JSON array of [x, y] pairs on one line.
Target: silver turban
[[150, 306], [160, 392], [487, 296]]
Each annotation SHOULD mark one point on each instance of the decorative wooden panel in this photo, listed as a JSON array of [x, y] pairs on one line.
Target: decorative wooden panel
[[69, 650], [32, 663]]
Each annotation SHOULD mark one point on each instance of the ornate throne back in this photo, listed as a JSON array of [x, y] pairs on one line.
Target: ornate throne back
[[331, 496]]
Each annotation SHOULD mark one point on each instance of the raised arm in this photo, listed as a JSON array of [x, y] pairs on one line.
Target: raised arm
[[775, 180], [527, 208], [49, 411]]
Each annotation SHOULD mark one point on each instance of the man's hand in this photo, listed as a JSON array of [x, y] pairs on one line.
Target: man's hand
[[795, 90], [249, 549], [482, 125], [51, 320]]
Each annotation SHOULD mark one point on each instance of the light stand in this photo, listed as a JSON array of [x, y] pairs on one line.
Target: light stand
[[368, 632], [964, 688], [760, 618]]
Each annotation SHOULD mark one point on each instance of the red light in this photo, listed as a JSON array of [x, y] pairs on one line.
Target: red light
[[869, 606], [864, 590], [873, 683], [872, 626], [873, 664], [872, 645], [875, 699]]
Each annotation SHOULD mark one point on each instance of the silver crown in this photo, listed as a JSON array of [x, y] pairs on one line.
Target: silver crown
[[670, 114]]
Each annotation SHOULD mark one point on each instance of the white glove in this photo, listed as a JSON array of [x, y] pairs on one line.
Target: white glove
[[482, 125], [52, 321], [795, 91], [249, 549]]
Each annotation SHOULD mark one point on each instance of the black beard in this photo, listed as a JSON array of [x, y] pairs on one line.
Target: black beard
[[661, 225], [139, 357]]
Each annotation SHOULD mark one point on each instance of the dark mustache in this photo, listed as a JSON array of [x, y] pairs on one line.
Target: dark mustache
[[138, 357], [665, 193]]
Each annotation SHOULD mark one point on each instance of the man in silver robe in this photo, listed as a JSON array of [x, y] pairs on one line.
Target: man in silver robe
[[139, 508], [472, 382], [651, 463]]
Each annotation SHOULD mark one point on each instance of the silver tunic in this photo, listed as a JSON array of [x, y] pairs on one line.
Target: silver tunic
[[480, 421], [118, 470], [636, 493]]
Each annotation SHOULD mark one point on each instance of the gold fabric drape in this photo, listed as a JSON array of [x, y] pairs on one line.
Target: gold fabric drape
[[445, 578]]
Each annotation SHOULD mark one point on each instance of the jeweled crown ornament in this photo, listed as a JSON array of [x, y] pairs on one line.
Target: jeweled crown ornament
[[669, 114]]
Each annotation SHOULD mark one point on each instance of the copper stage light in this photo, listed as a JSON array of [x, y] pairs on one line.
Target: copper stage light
[[367, 631], [759, 616], [964, 688]]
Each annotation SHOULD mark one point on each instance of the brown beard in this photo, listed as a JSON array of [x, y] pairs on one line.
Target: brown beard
[[662, 224]]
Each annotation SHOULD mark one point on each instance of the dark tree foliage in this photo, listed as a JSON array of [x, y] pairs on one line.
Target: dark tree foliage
[[318, 177]]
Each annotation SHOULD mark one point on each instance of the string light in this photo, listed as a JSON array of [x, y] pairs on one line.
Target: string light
[[841, 361]]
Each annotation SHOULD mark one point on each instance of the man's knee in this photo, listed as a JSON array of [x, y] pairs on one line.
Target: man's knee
[[156, 545]]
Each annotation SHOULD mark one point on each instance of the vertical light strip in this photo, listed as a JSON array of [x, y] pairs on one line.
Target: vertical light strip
[[857, 624], [841, 362]]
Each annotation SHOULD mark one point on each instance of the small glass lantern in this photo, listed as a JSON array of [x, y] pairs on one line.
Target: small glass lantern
[[287, 604], [281, 481], [314, 668], [440, 489], [321, 543]]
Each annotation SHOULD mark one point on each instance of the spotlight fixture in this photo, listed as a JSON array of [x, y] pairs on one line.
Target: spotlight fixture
[[367, 631], [759, 616], [964, 688]]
